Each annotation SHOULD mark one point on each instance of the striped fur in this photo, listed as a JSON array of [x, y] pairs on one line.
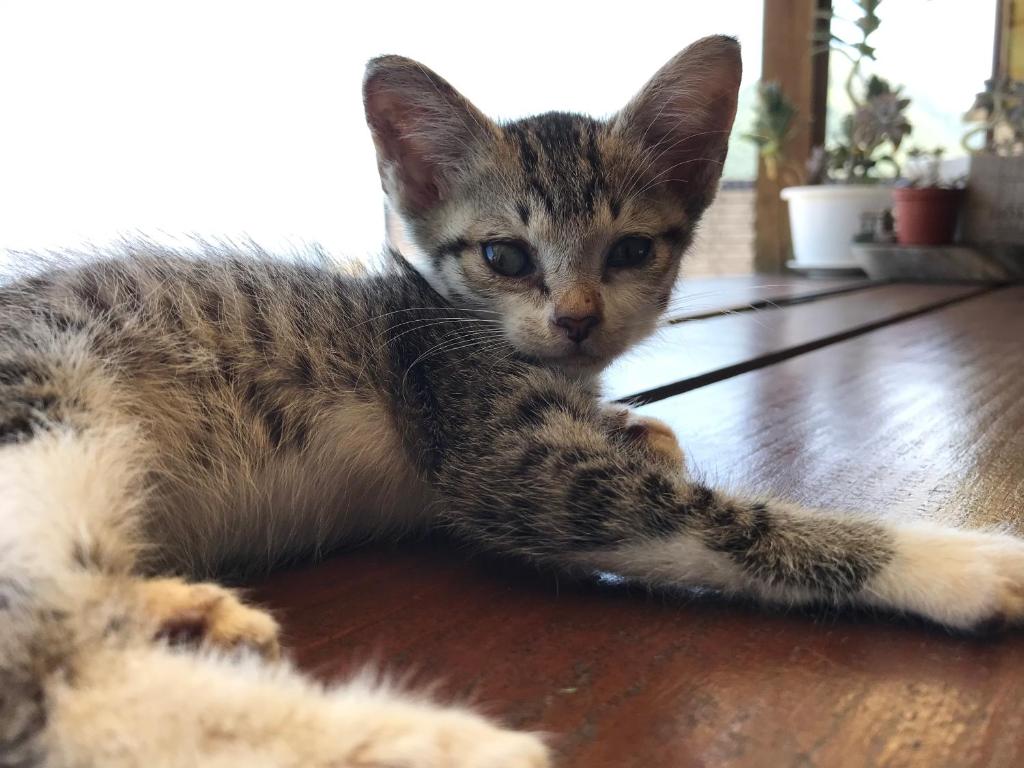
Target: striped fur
[[169, 414]]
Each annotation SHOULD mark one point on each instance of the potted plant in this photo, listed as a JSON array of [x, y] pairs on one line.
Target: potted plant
[[994, 214], [926, 209], [847, 180]]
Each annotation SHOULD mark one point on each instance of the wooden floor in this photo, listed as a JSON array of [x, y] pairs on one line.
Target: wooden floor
[[904, 401]]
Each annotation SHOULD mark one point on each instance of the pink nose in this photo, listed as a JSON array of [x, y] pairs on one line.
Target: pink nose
[[577, 328]]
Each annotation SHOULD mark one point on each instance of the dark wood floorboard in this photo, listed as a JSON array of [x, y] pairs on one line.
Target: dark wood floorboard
[[923, 417], [694, 349], [702, 297]]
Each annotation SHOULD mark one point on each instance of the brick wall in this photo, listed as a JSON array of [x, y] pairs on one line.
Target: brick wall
[[725, 241]]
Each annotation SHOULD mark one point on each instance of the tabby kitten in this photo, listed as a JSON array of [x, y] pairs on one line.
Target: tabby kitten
[[167, 416]]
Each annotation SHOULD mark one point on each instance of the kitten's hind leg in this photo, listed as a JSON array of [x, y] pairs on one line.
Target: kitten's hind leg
[[84, 682], [68, 508], [148, 704], [77, 495], [549, 481]]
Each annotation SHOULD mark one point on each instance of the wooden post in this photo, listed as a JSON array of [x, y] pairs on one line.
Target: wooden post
[[1009, 47], [789, 59]]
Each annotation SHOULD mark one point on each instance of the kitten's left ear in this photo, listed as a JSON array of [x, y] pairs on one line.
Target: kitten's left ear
[[424, 130], [682, 117]]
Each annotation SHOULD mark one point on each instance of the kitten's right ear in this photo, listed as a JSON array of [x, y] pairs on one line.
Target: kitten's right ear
[[682, 118], [423, 129]]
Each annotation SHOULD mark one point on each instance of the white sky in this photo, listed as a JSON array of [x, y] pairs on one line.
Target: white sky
[[224, 118], [230, 118]]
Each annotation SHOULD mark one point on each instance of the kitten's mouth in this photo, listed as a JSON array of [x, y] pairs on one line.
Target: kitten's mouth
[[578, 360], [572, 353], [581, 354]]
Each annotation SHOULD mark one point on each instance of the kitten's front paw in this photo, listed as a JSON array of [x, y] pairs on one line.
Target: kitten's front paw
[[652, 435], [657, 437], [208, 613], [451, 738], [967, 580]]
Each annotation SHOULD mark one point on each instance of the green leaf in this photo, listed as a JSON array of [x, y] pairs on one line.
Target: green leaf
[[868, 24], [866, 50]]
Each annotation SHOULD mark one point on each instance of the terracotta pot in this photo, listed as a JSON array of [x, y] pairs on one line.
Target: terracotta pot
[[926, 216]]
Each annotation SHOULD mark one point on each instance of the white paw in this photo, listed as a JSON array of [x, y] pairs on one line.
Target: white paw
[[962, 579]]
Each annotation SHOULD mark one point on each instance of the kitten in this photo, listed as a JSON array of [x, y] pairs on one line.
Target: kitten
[[167, 416]]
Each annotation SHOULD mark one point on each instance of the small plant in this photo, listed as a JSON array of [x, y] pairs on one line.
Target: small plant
[[998, 117], [924, 170], [870, 136], [923, 167], [773, 123]]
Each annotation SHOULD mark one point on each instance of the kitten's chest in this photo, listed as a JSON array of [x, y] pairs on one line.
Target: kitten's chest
[[352, 479]]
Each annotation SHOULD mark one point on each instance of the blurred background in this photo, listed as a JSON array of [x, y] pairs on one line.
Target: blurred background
[[244, 118]]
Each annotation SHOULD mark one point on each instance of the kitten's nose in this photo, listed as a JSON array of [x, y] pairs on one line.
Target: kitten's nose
[[577, 328]]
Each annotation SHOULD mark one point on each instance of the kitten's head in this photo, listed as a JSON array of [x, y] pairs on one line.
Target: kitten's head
[[571, 229]]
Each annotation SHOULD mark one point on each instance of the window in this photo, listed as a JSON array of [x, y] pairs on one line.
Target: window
[[940, 51], [244, 118]]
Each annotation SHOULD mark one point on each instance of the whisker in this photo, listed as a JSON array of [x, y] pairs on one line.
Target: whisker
[[485, 340], [424, 324], [430, 322], [742, 309], [436, 349], [424, 309]]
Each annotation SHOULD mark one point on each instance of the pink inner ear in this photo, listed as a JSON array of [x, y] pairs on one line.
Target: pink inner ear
[[684, 114], [403, 159], [423, 129]]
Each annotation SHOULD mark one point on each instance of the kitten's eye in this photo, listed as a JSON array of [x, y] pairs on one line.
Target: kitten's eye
[[507, 259], [630, 252]]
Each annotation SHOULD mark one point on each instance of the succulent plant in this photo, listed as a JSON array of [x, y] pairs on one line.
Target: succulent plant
[[868, 138], [872, 133]]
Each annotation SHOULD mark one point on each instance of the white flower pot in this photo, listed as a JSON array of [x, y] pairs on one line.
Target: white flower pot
[[824, 220]]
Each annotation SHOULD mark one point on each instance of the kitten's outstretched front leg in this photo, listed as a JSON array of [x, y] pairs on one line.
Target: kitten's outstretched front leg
[[551, 482]]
